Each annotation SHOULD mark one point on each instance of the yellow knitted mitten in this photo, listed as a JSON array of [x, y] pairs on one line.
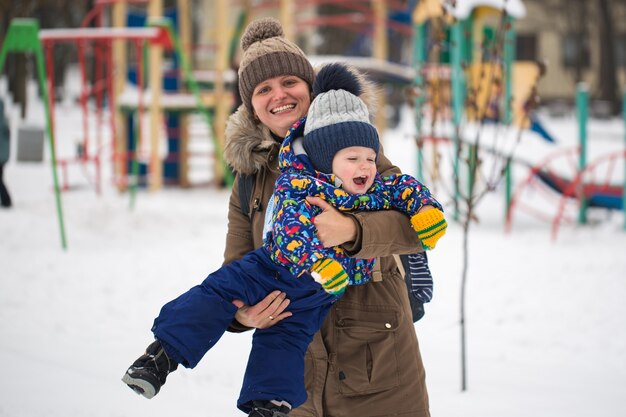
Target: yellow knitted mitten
[[430, 226], [331, 275]]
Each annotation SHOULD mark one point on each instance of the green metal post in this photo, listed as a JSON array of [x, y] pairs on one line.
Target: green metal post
[[419, 60], [456, 74], [23, 36], [582, 98], [508, 186], [472, 166], [41, 73], [234, 41], [508, 58], [458, 99]]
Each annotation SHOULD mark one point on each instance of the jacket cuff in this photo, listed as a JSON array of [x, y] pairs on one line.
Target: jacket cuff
[[353, 247], [236, 327]]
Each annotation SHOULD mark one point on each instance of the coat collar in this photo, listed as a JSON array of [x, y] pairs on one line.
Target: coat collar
[[289, 160], [248, 145]]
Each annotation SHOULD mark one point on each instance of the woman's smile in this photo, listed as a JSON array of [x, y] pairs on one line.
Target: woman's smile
[[283, 108]]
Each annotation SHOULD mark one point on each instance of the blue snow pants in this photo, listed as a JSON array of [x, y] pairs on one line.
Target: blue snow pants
[[191, 324]]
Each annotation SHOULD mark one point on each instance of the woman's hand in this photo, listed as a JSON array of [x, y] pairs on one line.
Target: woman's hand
[[333, 228], [265, 313]]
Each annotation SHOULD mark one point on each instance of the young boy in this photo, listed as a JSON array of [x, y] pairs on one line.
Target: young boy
[[338, 138]]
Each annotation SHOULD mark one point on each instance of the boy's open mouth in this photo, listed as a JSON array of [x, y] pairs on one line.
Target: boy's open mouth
[[360, 180]]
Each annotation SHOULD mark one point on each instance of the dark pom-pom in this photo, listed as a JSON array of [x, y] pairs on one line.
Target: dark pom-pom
[[336, 77], [261, 29]]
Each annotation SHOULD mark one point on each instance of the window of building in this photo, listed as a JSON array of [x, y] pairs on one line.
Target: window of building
[[575, 52], [526, 47]]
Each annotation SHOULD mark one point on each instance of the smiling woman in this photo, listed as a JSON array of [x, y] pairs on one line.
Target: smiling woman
[[292, 260], [365, 360]]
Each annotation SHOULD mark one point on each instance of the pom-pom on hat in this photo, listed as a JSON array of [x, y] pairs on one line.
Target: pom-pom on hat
[[268, 54], [337, 117]]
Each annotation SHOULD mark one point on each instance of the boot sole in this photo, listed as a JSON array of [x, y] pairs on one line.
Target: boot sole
[[140, 386]]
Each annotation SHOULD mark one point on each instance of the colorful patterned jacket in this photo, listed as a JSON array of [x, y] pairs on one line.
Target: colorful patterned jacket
[[289, 231]]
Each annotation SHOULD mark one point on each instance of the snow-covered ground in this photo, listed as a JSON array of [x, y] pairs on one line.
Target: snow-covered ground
[[546, 320]]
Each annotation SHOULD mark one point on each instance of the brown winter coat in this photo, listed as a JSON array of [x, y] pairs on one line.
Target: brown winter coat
[[365, 360]]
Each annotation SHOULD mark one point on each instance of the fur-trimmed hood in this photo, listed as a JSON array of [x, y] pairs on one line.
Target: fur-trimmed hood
[[248, 142]]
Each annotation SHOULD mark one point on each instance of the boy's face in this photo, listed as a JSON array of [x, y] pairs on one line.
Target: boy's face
[[356, 168]]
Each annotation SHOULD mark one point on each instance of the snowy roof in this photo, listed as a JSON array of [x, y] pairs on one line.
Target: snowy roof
[[386, 69], [99, 33], [428, 9], [515, 8]]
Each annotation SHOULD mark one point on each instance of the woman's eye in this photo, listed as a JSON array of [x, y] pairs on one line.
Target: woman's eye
[[262, 90]]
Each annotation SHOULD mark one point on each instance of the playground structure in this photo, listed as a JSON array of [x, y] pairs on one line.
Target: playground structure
[[173, 93], [152, 96], [22, 38], [159, 84], [592, 184], [138, 36], [112, 26], [472, 104], [467, 84]]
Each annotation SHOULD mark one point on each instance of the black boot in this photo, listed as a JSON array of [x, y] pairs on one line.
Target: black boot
[[148, 373], [5, 198], [269, 409]]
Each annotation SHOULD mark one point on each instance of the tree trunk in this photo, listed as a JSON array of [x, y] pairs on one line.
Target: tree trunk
[[607, 87], [19, 79], [580, 30]]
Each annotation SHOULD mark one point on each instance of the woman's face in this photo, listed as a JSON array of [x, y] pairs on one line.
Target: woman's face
[[356, 168], [281, 101]]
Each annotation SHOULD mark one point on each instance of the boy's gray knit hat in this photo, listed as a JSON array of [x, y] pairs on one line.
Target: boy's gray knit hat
[[267, 54], [337, 118]]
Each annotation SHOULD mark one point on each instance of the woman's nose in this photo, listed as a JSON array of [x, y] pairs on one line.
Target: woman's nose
[[279, 93]]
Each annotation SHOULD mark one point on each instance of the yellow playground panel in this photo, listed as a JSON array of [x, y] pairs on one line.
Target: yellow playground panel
[[487, 82]]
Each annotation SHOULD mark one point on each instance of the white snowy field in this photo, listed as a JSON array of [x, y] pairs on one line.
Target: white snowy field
[[546, 320]]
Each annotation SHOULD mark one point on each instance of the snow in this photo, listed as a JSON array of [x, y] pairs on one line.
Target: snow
[[149, 33], [545, 319], [462, 8]]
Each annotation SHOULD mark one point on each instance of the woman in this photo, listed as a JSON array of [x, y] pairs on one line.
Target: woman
[[365, 361]]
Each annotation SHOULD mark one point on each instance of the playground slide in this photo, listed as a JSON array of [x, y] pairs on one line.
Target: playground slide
[[537, 127], [603, 196]]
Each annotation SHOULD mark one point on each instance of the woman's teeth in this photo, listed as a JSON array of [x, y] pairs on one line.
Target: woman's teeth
[[283, 108]]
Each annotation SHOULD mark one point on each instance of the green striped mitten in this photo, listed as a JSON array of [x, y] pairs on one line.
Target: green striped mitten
[[430, 226], [330, 274]]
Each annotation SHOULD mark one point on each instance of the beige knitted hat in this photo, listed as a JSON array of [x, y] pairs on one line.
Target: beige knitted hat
[[267, 54], [337, 117]]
